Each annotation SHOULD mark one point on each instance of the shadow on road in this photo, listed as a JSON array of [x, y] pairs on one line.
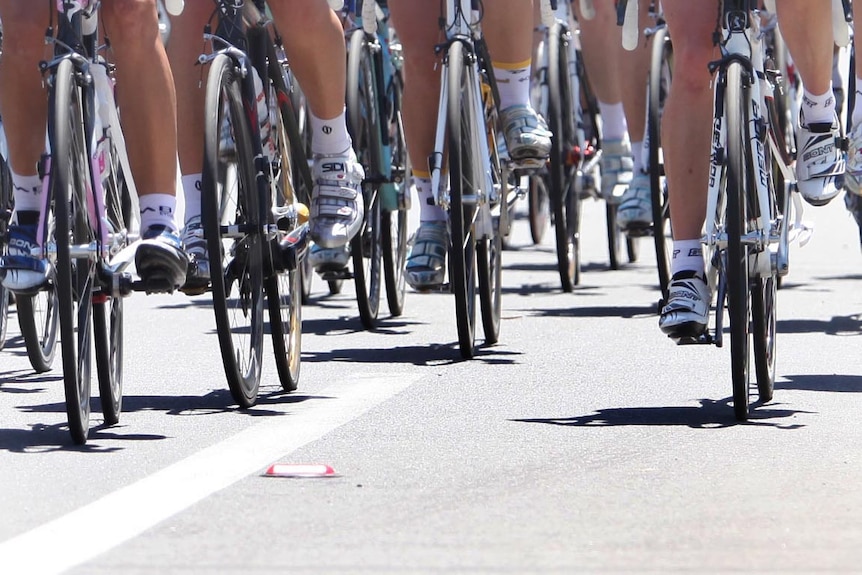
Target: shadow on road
[[46, 438], [421, 355], [842, 325], [833, 382], [711, 414], [622, 311]]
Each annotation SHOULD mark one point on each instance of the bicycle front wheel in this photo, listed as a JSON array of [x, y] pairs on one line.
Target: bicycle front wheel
[[463, 187], [565, 203], [70, 183], [233, 230], [364, 121], [740, 186], [393, 222]]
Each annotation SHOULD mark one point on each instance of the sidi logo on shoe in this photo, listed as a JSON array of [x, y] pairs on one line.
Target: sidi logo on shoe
[[333, 167]]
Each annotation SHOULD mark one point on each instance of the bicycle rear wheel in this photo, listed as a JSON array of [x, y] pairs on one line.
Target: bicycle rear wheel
[[363, 115], [39, 325], [740, 186], [75, 274], [393, 222], [463, 184], [565, 202], [660, 76], [284, 288], [233, 231], [539, 208]]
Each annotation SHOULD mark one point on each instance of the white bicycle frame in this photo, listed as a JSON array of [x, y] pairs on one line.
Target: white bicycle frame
[[769, 239], [462, 25]]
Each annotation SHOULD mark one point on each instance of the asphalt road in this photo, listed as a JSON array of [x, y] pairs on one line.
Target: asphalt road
[[584, 441]]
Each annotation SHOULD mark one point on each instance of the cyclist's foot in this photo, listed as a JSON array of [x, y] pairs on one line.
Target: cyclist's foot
[[687, 310], [337, 205], [426, 264], [195, 246], [528, 139], [820, 162], [20, 271], [616, 166], [853, 177], [160, 260], [634, 213], [329, 259]]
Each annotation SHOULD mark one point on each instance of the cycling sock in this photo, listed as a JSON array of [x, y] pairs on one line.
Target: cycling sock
[[687, 256], [27, 191], [192, 195], [614, 125], [329, 137], [818, 108], [429, 211], [513, 83], [158, 210], [639, 165], [857, 104]]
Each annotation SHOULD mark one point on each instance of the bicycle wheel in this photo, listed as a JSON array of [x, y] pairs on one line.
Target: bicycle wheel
[[565, 202], [108, 310], [659, 84], [363, 115], [538, 208], [232, 227], [39, 325], [393, 222], [739, 186], [463, 180], [763, 327], [75, 275], [284, 283]]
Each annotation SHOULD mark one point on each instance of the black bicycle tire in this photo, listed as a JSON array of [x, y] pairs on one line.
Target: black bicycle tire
[[660, 50], [560, 186], [67, 129], [7, 205], [738, 283], [363, 114], [40, 337], [243, 380], [108, 339], [394, 223], [287, 343], [538, 209], [764, 292], [462, 252]]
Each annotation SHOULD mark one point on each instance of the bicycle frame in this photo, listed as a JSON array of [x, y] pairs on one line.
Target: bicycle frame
[[462, 26]]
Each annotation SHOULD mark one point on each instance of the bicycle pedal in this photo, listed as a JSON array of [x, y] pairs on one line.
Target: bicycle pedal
[[703, 339], [638, 230], [334, 275], [154, 285]]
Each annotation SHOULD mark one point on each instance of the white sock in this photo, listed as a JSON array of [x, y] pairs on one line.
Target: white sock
[[192, 195], [27, 191], [638, 157], [857, 105], [513, 83], [329, 137], [818, 108], [687, 256], [158, 210], [429, 211], [614, 125]]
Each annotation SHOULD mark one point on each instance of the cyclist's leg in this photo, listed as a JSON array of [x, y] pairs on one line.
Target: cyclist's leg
[[186, 44], [807, 29], [686, 133], [314, 42], [508, 29], [24, 111], [148, 101], [601, 42], [416, 23]]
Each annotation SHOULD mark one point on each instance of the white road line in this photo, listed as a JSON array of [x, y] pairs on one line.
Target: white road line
[[85, 533]]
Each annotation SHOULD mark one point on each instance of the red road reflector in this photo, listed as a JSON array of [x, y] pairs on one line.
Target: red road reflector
[[299, 470]]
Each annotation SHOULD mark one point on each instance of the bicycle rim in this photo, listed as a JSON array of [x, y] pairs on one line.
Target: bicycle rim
[[560, 119], [284, 298], [738, 187], [364, 121], [462, 183], [108, 338], [230, 216], [70, 171]]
